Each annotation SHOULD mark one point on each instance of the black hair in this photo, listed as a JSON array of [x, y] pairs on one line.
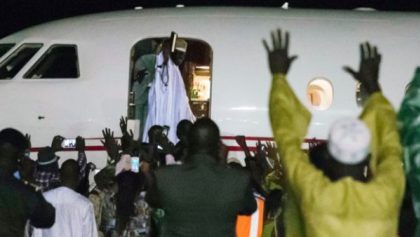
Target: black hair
[[204, 138], [12, 147], [15, 138], [154, 132], [183, 128], [334, 170], [69, 173]]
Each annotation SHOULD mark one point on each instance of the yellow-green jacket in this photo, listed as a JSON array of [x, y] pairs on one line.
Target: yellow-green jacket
[[319, 207]]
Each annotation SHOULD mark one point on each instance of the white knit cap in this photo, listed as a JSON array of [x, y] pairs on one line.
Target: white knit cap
[[349, 141]]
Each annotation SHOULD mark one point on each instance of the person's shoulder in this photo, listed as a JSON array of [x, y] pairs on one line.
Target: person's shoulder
[[239, 175], [149, 57], [15, 185], [168, 170], [82, 200], [29, 192]]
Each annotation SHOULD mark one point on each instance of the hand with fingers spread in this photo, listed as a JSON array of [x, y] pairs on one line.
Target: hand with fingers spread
[[110, 144], [271, 150], [123, 125], [368, 74], [80, 144], [260, 150], [126, 141], [278, 56], [261, 156], [272, 154], [56, 143]]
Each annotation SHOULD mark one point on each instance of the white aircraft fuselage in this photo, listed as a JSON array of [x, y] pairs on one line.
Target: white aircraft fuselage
[[325, 41]]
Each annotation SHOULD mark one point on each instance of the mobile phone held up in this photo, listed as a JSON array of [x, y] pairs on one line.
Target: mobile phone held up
[[69, 143], [135, 164], [174, 36]]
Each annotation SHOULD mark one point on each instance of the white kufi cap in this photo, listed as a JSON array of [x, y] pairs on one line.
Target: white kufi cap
[[349, 141]]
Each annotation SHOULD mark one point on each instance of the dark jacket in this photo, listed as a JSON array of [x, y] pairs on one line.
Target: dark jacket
[[201, 198], [19, 203]]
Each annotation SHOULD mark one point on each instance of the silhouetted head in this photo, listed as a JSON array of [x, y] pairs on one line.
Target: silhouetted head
[[69, 174], [12, 149], [182, 129], [204, 137], [346, 154], [155, 133], [104, 179]]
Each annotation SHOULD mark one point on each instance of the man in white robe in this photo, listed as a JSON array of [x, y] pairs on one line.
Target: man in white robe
[[168, 101], [74, 213]]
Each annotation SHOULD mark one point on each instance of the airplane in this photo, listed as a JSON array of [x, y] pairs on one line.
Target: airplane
[[73, 76]]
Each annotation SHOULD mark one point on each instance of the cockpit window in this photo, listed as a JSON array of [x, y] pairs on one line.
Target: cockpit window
[[15, 61], [4, 48], [59, 61]]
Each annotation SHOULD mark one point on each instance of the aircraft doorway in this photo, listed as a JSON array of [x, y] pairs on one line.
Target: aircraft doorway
[[195, 70]]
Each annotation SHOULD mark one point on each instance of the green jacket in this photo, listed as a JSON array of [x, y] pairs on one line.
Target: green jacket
[[320, 207], [201, 198], [408, 119]]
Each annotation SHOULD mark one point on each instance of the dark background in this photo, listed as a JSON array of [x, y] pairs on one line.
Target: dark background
[[18, 14]]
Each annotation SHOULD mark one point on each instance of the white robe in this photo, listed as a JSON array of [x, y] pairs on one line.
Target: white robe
[[74, 215], [168, 100]]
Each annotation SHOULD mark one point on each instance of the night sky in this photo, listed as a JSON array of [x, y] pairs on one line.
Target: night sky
[[18, 14]]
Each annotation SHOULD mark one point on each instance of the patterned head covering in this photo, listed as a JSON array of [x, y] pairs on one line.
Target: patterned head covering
[[349, 141]]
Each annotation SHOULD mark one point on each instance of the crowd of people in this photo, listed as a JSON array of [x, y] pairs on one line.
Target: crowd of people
[[351, 185]]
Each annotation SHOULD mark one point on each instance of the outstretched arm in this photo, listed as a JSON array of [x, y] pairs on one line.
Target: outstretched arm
[[81, 156], [380, 118], [289, 118]]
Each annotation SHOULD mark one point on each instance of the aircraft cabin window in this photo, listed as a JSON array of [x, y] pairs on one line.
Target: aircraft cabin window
[[195, 68], [320, 93], [59, 61], [15, 61], [4, 48]]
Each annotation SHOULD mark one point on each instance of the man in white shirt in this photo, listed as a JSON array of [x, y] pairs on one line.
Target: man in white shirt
[[74, 213]]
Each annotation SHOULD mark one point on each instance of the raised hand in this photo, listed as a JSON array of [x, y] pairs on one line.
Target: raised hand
[[56, 143], [278, 56], [261, 157], [241, 140], [368, 74], [123, 124], [271, 150], [80, 144], [110, 144], [128, 144], [260, 149], [272, 154]]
